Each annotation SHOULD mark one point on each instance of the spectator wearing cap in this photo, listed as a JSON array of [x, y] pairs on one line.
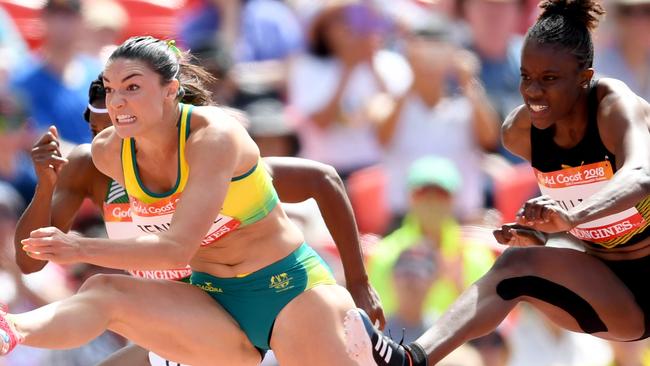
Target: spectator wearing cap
[[433, 182], [430, 119], [414, 273], [627, 56], [333, 84], [54, 86]]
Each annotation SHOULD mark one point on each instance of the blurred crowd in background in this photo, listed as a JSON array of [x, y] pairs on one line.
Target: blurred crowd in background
[[403, 97]]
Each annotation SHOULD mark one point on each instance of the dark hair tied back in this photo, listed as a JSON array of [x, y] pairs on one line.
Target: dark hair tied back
[[164, 58], [568, 24]]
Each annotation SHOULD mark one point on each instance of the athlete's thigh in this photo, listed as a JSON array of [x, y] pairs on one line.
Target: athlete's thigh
[[568, 285], [309, 330], [178, 321]]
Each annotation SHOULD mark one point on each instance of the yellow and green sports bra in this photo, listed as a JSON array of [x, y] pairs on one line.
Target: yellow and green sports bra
[[250, 196]]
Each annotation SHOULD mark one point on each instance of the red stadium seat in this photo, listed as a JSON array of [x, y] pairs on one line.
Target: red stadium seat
[[513, 188], [156, 18], [366, 189], [26, 16]]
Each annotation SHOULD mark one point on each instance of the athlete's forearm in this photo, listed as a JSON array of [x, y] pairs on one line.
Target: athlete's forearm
[[337, 212], [146, 252], [37, 215], [626, 189]]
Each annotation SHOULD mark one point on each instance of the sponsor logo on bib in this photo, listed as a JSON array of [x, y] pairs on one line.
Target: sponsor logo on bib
[[571, 186]]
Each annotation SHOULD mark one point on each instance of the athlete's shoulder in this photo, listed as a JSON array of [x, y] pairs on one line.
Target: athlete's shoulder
[[105, 148], [105, 138], [515, 132], [608, 86], [617, 101], [216, 123], [215, 131], [516, 123], [80, 158]]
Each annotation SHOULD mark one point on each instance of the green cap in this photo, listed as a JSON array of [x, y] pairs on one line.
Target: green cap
[[434, 171]]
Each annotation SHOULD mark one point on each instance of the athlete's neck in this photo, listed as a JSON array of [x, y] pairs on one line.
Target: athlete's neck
[[570, 130], [161, 140]]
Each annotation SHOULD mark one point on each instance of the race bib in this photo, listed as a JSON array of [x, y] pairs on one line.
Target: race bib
[[570, 186], [157, 217]]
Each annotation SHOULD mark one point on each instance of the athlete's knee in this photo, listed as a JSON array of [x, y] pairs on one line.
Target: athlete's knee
[[101, 282], [516, 262], [107, 287]]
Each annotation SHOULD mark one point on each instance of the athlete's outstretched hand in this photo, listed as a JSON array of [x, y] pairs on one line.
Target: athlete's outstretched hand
[[544, 214], [51, 244], [47, 157], [366, 298], [519, 236]]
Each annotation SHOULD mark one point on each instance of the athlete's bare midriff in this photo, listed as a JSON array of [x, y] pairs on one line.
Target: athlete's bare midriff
[[638, 250], [250, 248]]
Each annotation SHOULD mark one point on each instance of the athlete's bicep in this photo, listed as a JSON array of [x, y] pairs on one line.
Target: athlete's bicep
[[212, 156], [297, 180], [623, 127], [515, 133]]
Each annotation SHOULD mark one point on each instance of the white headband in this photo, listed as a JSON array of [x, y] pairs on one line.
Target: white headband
[[97, 110]]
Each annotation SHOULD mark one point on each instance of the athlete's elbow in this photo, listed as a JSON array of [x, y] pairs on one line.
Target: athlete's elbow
[[181, 258], [331, 176], [176, 255], [642, 178], [645, 182]]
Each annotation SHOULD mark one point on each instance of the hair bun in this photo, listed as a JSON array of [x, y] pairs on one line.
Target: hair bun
[[584, 12]]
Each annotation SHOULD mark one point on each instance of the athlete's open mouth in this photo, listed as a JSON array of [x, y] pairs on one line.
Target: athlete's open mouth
[[537, 107], [125, 119]]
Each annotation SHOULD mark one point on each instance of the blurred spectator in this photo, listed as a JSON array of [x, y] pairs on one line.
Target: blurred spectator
[[404, 11], [493, 25], [260, 39], [631, 353], [11, 206], [269, 31], [413, 275], [15, 292], [333, 84], [54, 87], [433, 182], [627, 57], [217, 59], [536, 341], [13, 48], [106, 343], [16, 137], [270, 128], [205, 22], [430, 120], [494, 349], [105, 20], [465, 355]]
